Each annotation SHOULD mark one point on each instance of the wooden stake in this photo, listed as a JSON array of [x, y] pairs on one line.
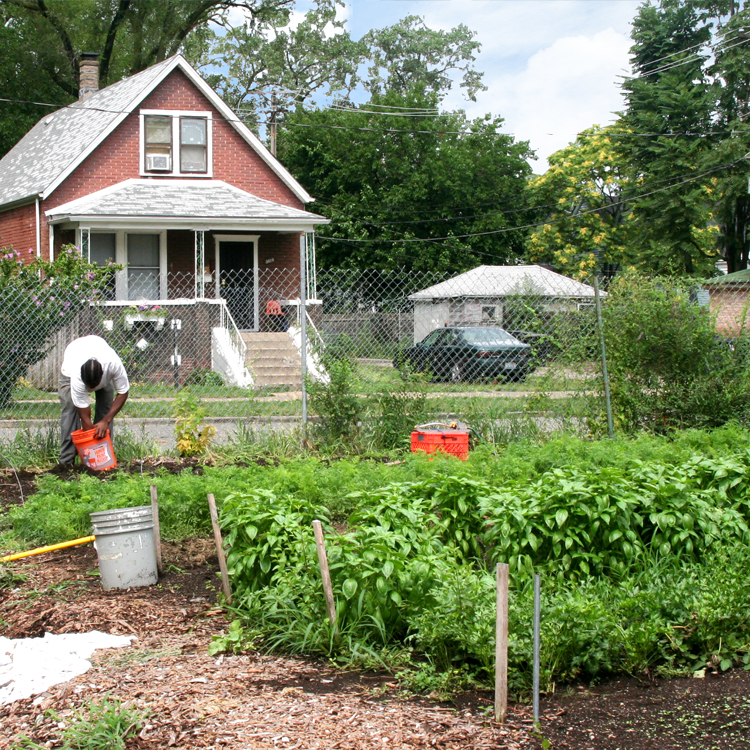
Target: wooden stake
[[501, 645], [324, 572], [220, 549], [157, 531]]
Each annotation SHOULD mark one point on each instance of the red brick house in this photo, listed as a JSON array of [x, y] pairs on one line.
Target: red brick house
[[156, 173]]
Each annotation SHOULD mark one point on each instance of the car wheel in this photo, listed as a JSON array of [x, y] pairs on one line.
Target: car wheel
[[456, 373], [518, 376]]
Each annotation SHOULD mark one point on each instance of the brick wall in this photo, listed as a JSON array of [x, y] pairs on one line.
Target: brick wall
[[117, 159], [18, 229], [730, 304]]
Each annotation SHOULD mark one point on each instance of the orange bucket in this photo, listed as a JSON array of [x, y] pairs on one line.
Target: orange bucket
[[96, 453]]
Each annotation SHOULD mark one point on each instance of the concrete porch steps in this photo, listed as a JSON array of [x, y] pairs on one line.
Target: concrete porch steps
[[272, 359]]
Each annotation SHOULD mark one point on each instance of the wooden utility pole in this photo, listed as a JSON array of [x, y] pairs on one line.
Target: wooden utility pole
[[273, 124]]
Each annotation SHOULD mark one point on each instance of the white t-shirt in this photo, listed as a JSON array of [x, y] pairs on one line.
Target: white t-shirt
[[92, 347]]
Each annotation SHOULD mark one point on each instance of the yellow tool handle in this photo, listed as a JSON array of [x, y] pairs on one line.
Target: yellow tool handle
[[49, 548]]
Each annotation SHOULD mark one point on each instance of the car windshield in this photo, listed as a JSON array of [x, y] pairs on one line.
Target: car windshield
[[488, 337]]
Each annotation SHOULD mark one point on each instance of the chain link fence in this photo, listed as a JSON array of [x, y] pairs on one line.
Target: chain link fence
[[491, 345], [507, 349]]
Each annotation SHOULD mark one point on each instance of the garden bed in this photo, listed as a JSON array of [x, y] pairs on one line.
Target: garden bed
[[198, 701], [262, 701]]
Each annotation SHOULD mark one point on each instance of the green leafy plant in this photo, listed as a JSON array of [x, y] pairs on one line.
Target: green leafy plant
[[335, 402], [237, 640], [397, 409], [192, 434], [106, 725], [668, 367], [203, 377]]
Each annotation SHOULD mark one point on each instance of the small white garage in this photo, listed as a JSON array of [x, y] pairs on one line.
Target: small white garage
[[480, 297]]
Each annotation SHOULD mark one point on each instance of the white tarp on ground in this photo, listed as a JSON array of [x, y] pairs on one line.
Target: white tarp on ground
[[29, 666]]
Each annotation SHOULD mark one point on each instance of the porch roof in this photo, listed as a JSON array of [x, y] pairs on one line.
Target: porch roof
[[191, 204]]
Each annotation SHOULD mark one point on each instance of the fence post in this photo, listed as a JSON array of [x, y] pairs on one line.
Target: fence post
[[537, 628], [501, 644], [325, 574], [605, 374], [303, 325], [157, 528], [220, 549]]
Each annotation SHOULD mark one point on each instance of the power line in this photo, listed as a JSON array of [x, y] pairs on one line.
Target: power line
[[678, 63], [537, 224], [625, 134], [437, 131]]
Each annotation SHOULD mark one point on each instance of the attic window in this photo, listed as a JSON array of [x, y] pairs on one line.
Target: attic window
[[176, 143], [192, 144], [158, 144]]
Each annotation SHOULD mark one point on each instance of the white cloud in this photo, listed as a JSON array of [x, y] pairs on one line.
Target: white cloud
[[564, 89]]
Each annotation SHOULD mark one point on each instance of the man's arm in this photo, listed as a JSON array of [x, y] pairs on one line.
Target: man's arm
[[102, 426]]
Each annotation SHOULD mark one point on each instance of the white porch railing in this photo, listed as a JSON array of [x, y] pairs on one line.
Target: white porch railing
[[228, 350], [226, 321]]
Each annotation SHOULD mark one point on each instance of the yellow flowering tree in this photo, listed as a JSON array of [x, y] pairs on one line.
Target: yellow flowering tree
[[580, 197]]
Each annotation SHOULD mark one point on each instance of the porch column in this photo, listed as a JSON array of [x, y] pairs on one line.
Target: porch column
[[200, 263], [84, 243], [312, 271]]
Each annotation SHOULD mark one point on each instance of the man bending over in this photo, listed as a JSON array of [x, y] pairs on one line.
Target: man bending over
[[89, 364]]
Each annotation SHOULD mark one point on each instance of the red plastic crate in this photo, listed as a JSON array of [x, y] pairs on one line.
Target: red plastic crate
[[455, 442]]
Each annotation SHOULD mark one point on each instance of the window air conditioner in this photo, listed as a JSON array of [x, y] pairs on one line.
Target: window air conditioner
[[158, 161]]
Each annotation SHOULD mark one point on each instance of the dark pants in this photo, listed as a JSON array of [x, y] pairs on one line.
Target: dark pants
[[70, 419]]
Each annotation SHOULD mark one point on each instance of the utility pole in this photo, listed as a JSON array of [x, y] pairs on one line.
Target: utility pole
[[273, 124]]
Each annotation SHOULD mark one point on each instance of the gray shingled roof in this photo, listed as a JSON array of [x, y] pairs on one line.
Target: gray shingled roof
[[189, 199], [498, 281], [59, 139]]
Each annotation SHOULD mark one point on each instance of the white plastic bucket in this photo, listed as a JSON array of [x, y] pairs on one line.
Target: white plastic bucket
[[125, 547]]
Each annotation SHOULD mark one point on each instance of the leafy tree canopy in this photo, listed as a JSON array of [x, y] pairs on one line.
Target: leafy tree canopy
[[405, 190], [689, 86], [257, 67], [409, 53], [581, 198], [41, 42]]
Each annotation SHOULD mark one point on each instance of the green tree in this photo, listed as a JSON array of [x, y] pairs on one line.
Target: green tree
[[670, 109], [410, 54], [731, 73], [440, 192], [582, 199], [260, 68], [41, 42]]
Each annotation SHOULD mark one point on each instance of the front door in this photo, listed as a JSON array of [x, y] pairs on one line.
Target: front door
[[238, 281]]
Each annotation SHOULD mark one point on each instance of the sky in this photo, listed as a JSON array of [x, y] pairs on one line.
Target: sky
[[551, 67]]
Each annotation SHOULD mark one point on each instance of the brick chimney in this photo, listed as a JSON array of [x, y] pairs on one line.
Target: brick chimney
[[88, 75]]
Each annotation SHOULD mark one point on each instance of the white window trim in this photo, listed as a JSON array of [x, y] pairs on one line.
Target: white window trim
[[176, 115]]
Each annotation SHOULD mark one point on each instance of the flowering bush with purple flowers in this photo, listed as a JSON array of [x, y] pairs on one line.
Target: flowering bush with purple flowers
[[37, 298]]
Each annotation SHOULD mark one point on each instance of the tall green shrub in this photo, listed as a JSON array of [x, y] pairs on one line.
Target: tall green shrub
[[335, 402], [668, 367], [37, 298]]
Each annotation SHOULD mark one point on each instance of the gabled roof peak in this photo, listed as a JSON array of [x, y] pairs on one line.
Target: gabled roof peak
[[61, 141]]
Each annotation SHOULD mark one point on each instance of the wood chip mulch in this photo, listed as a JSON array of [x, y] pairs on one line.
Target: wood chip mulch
[[197, 701]]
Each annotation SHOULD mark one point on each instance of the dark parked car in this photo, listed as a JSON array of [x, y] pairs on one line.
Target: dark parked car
[[469, 354]]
